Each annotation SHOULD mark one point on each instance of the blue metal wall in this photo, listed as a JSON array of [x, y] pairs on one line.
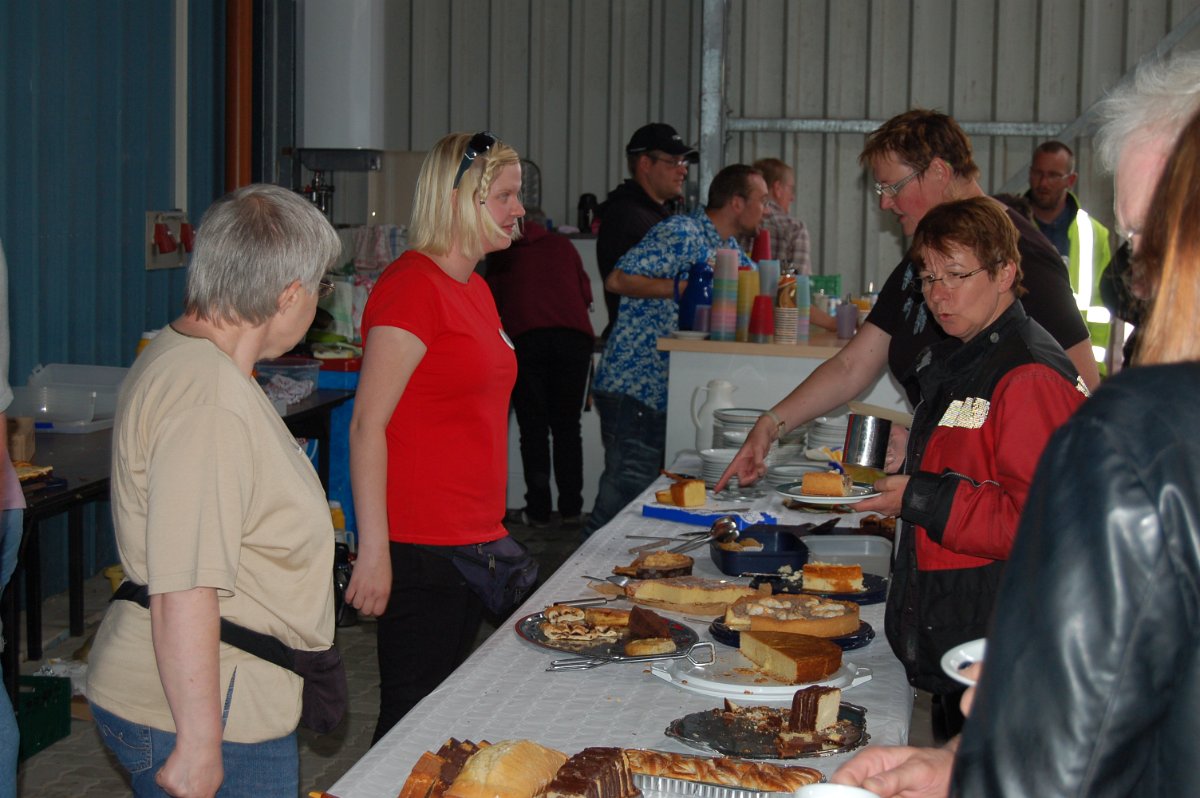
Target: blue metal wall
[[86, 148]]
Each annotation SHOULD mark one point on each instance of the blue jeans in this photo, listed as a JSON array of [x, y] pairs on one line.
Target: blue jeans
[[635, 438], [11, 528], [252, 770]]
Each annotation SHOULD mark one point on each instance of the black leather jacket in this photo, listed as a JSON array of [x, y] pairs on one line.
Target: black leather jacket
[[1091, 682]]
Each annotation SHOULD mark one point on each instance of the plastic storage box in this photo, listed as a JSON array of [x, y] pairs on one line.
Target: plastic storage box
[[288, 378], [873, 553], [66, 397], [43, 712]]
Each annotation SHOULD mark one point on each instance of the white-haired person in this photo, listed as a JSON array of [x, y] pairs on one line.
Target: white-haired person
[[220, 515], [428, 438]]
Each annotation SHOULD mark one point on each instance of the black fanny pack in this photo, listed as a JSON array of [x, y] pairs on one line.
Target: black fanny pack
[[325, 696], [501, 572]]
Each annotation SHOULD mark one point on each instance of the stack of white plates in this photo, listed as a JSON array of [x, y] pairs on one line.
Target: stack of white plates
[[828, 431], [790, 472], [714, 462]]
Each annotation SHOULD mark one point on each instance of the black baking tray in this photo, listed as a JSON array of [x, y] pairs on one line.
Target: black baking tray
[[781, 547]]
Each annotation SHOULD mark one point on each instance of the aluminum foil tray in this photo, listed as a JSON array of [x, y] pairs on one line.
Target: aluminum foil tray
[[665, 787]]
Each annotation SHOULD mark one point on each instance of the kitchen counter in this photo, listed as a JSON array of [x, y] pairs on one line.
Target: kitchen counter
[[820, 344], [762, 373]]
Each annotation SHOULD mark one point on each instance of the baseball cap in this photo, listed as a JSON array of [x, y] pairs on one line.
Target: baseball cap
[[661, 137]]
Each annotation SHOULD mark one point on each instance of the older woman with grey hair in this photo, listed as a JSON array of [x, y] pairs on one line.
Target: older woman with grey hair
[[221, 515]]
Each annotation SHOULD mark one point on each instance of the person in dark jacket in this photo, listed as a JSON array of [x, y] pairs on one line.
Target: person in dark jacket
[[658, 162], [1094, 690], [543, 296], [1097, 637], [991, 395]]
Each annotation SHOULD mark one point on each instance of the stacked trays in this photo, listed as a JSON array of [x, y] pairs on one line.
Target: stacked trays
[[828, 432]]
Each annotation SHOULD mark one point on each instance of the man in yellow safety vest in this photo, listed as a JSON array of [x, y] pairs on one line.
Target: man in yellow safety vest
[[1082, 241]]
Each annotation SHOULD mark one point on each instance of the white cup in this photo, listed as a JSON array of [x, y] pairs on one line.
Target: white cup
[[832, 791]]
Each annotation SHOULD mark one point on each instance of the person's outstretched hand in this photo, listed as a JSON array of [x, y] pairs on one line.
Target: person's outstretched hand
[[750, 462], [900, 771]]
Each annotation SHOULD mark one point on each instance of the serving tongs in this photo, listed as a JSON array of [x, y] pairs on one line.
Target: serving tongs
[[703, 653]]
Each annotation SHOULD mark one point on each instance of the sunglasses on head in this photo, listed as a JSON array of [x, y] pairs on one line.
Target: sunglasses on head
[[478, 145]]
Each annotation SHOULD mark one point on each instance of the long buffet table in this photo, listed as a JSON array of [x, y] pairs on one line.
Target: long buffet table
[[504, 692]]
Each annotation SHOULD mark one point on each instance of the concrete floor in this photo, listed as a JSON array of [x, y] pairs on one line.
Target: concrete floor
[[80, 765]]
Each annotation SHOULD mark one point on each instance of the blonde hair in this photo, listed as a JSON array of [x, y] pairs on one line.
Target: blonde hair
[[1169, 257], [444, 217]]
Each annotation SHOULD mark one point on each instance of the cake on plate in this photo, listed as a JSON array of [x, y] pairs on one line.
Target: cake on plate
[[824, 577], [825, 483], [793, 659], [796, 614]]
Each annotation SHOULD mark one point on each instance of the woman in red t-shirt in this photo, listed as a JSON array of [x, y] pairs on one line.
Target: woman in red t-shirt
[[428, 439]]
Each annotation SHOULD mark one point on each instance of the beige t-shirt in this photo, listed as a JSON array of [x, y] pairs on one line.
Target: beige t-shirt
[[209, 489]]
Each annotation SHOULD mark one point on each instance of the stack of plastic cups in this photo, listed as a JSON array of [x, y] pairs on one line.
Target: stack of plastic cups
[[762, 320], [785, 309], [768, 277], [746, 292], [803, 301], [722, 319]]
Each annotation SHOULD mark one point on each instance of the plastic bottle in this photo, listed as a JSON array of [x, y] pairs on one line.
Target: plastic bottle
[[338, 517]]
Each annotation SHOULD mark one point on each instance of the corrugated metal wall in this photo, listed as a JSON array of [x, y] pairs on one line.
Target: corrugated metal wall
[[86, 148], [978, 60], [567, 82], [564, 81]]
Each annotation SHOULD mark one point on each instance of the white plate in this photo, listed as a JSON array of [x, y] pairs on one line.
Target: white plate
[[690, 335], [731, 675], [959, 657], [858, 492]]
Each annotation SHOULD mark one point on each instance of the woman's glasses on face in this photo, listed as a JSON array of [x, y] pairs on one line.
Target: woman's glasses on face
[[951, 281], [324, 288], [478, 145]]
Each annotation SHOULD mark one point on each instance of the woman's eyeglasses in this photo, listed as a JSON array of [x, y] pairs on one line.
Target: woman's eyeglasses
[[478, 145], [951, 281], [324, 288], [892, 189]]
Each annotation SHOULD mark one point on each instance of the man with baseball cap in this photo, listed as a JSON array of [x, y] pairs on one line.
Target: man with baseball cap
[[658, 162]]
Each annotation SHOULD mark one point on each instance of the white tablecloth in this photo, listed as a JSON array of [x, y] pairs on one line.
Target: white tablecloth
[[503, 691]]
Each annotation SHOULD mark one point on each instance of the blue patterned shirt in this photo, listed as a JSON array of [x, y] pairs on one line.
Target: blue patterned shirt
[[632, 364]]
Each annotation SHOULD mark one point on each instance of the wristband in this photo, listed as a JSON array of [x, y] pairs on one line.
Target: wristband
[[779, 422]]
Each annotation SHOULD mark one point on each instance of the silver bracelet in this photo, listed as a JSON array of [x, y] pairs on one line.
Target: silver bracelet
[[779, 422]]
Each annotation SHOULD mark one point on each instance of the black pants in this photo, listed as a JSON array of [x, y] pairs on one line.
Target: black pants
[[552, 370], [427, 630]]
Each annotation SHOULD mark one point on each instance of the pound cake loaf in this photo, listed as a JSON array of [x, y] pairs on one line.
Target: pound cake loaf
[[508, 769], [814, 708], [593, 773], [793, 659], [825, 577], [795, 614], [683, 493], [825, 483]]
